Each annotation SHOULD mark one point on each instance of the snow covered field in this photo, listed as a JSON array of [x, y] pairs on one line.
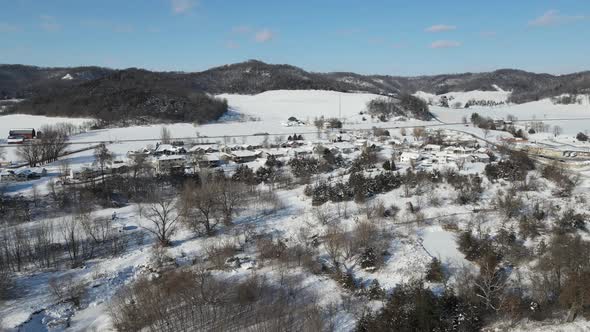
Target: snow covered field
[[539, 110], [498, 96]]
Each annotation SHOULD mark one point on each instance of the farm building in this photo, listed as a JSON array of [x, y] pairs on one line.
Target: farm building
[[24, 133]]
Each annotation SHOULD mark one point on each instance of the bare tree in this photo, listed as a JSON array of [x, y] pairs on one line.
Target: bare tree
[[165, 135], [334, 243], [486, 132], [419, 132], [319, 124], [460, 163], [163, 218], [31, 152], [231, 197], [70, 231], [64, 171], [557, 130], [103, 158], [35, 195], [140, 165], [54, 141], [490, 284], [279, 140], [200, 207]]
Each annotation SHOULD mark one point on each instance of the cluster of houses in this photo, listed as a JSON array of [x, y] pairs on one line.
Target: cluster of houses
[[18, 175], [168, 157], [432, 154]]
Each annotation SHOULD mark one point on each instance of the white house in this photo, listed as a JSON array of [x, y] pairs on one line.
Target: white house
[[168, 149], [432, 147], [481, 157], [200, 149], [164, 164], [407, 157]]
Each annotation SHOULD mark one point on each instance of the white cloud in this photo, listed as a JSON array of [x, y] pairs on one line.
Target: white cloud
[[440, 28], [5, 27], [241, 29], [182, 6], [264, 35], [232, 45], [553, 17], [445, 44], [49, 23]]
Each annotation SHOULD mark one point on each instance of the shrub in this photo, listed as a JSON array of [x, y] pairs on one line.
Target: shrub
[[582, 137], [368, 259], [375, 291], [435, 271], [65, 289], [570, 221], [412, 307]]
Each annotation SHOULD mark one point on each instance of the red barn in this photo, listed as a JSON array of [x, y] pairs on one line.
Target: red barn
[[24, 133]]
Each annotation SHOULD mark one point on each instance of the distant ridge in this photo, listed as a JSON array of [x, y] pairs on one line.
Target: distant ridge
[[170, 95]]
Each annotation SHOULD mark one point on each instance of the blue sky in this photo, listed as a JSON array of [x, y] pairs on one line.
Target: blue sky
[[383, 37]]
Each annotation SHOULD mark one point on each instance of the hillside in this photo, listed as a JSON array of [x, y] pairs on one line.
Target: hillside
[[253, 77], [140, 95], [20, 81], [128, 96]]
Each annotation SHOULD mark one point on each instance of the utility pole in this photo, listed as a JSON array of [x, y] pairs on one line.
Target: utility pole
[[340, 106]]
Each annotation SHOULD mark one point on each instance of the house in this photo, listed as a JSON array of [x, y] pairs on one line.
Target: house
[[143, 151], [432, 148], [481, 157], [408, 157], [168, 149], [300, 152], [441, 158], [86, 173], [169, 163], [7, 175], [202, 149], [241, 157], [275, 153], [210, 160], [28, 133], [455, 150], [345, 147], [28, 174]]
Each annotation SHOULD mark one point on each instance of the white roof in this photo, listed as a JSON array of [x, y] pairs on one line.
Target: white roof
[[245, 153], [211, 157], [344, 145], [410, 155], [167, 147], [204, 147], [172, 157]]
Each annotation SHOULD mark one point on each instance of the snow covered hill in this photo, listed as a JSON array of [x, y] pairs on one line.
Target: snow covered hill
[[463, 97]]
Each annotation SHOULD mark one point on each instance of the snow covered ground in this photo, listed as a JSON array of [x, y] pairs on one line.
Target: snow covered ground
[[543, 110], [412, 247]]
